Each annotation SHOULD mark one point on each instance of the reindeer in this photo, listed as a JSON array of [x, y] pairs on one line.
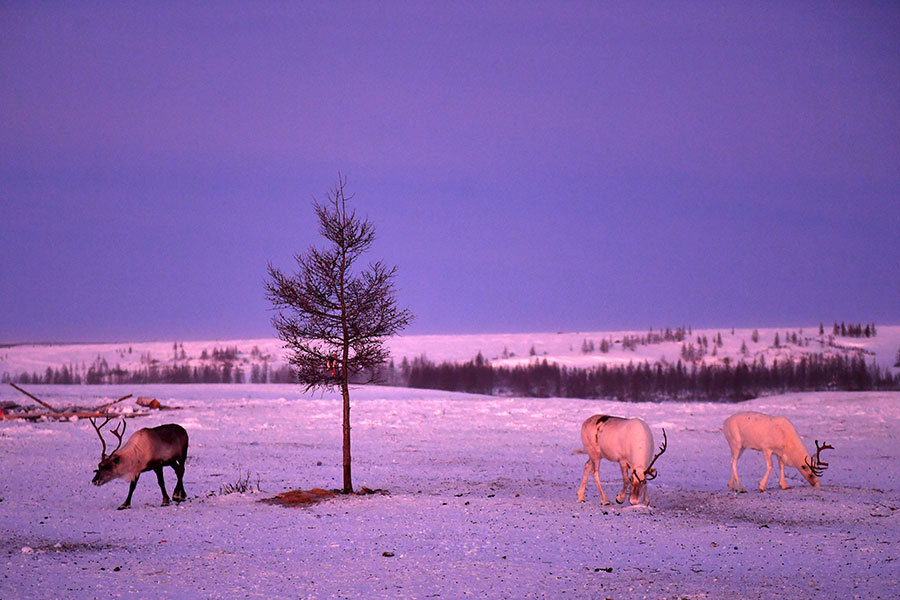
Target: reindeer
[[771, 435], [627, 442], [149, 449]]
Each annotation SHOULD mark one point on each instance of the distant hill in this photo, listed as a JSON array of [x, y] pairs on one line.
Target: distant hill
[[263, 360]]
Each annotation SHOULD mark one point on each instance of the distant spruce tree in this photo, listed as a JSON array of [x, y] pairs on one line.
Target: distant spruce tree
[[334, 316]]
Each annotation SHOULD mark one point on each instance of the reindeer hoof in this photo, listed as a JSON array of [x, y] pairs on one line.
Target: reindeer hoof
[[165, 502], [124, 507]]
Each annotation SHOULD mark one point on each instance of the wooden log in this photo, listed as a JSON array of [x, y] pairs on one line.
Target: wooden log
[[105, 406], [62, 416], [35, 398]]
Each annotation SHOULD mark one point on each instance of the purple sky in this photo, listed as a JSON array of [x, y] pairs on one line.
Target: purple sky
[[529, 167]]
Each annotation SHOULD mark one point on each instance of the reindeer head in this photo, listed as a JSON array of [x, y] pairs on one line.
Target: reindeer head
[[640, 476], [106, 470], [813, 468]]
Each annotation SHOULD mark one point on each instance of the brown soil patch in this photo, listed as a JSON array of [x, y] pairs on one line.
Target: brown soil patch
[[300, 497], [297, 498]]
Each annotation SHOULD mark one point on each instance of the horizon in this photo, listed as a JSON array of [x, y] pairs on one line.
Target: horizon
[[534, 168]]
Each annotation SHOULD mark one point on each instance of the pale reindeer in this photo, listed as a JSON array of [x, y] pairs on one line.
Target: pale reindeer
[[148, 449], [771, 435], [624, 441]]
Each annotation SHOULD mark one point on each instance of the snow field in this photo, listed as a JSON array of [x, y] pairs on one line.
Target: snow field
[[481, 502]]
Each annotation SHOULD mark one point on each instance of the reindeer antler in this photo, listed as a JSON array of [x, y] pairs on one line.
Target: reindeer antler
[[115, 432], [650, 472], [817, 465], [119, 434], [100, 435]]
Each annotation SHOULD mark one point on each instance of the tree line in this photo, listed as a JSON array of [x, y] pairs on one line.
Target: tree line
[[643, 381], [636, 381], [852, 330], [100, 373]]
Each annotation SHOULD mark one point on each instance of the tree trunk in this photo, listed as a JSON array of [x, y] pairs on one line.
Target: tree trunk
[[345, 355], [345, 392]]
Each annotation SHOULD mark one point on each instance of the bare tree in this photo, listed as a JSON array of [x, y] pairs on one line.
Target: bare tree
[[333, 315]]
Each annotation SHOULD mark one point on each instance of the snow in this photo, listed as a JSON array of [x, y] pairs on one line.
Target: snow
[[480, 503]]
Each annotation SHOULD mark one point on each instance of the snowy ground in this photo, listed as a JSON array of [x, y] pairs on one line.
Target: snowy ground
[[481, 502]]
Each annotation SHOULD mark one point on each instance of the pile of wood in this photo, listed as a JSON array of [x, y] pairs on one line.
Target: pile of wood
[[10, 411]]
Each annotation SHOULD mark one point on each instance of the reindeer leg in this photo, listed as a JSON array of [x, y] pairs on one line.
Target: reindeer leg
[[131, 486], [782, 483], [162, 484], [587, 470], [735, 482], [620, 497], [178, 494], [732, 436], [603, 498], [767, 454]]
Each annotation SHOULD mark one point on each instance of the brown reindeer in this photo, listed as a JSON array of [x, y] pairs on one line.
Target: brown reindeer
[[149, 449]]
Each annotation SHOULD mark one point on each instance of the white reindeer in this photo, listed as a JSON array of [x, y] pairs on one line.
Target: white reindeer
[[772, 435], [627, 442]]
